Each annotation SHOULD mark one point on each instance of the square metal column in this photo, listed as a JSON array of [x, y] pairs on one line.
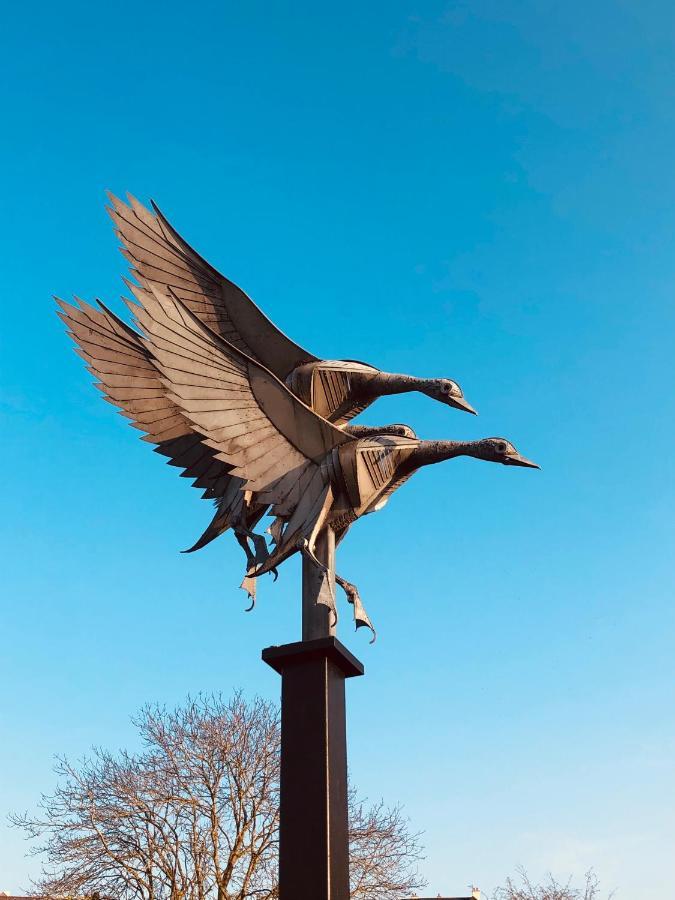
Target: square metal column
[[313, 829]]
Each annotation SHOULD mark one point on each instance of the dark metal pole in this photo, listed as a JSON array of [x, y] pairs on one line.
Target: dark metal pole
[[313, 827], [318, 588]]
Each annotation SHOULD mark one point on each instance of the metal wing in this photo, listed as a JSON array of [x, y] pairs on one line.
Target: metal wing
[[162, 259], [278, 446], [128, 376]]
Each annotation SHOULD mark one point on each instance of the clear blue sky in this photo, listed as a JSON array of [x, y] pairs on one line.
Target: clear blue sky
[[477, 190]]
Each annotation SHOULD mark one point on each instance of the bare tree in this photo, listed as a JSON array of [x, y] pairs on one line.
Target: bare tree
[[195, 815], [382, 852], [523, 889]]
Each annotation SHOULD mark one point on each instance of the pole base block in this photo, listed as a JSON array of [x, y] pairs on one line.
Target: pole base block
[[284, 655]]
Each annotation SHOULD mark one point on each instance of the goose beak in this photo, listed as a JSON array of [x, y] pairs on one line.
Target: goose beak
[[518, 460], [461, 403]]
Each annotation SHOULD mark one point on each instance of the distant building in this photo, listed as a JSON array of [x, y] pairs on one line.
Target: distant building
[[5, 896]]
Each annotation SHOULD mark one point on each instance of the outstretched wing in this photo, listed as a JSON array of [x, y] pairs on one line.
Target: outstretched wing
[[128, 376], [278, 446], [162, 259]]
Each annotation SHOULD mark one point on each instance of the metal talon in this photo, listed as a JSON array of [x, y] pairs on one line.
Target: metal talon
[[306, 551], [249, 585]]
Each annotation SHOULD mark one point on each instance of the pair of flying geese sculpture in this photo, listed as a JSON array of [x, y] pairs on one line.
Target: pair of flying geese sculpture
[[258, 423]]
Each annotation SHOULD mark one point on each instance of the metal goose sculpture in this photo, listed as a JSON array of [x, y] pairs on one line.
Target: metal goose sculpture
[[336, 389], [129, 377], [314, 476], [165, 264]]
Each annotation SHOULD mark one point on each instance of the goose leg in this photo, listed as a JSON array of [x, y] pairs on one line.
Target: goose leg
[[242, 539], [275, 530], [248, 584], [253, 560], [361, 617], [261, 551]]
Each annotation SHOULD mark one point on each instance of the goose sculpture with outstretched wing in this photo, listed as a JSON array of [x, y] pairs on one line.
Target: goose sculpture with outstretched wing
[[337, 389], [312, 474], [164, 264]]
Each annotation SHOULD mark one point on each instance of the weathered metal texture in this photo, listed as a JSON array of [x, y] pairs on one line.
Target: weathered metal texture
[[313, 828]]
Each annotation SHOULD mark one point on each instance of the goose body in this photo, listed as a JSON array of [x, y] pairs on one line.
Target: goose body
[[333, 387], [362, 474]]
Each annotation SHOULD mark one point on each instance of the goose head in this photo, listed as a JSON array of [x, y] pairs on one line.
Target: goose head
[[499, 450], [449, 392]]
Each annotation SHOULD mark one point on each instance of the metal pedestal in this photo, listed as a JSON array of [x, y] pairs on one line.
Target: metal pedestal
[[313, 837]]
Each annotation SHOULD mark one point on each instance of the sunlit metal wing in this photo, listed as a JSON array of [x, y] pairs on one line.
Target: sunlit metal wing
[[129, 379], [163, 260], [278, 446]]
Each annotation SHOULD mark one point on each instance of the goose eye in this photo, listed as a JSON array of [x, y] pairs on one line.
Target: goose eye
[[501, 448]]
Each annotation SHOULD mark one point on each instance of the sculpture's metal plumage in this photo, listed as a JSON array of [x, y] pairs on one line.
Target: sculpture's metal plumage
[[257, 422], [337, 389]]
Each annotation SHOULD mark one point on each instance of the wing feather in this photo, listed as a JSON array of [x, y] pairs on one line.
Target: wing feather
[[162, 259], [271, 448], [129, 379]]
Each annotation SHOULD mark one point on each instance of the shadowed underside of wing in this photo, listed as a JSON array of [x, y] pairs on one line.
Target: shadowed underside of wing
[[162, 259], [117, 357]]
